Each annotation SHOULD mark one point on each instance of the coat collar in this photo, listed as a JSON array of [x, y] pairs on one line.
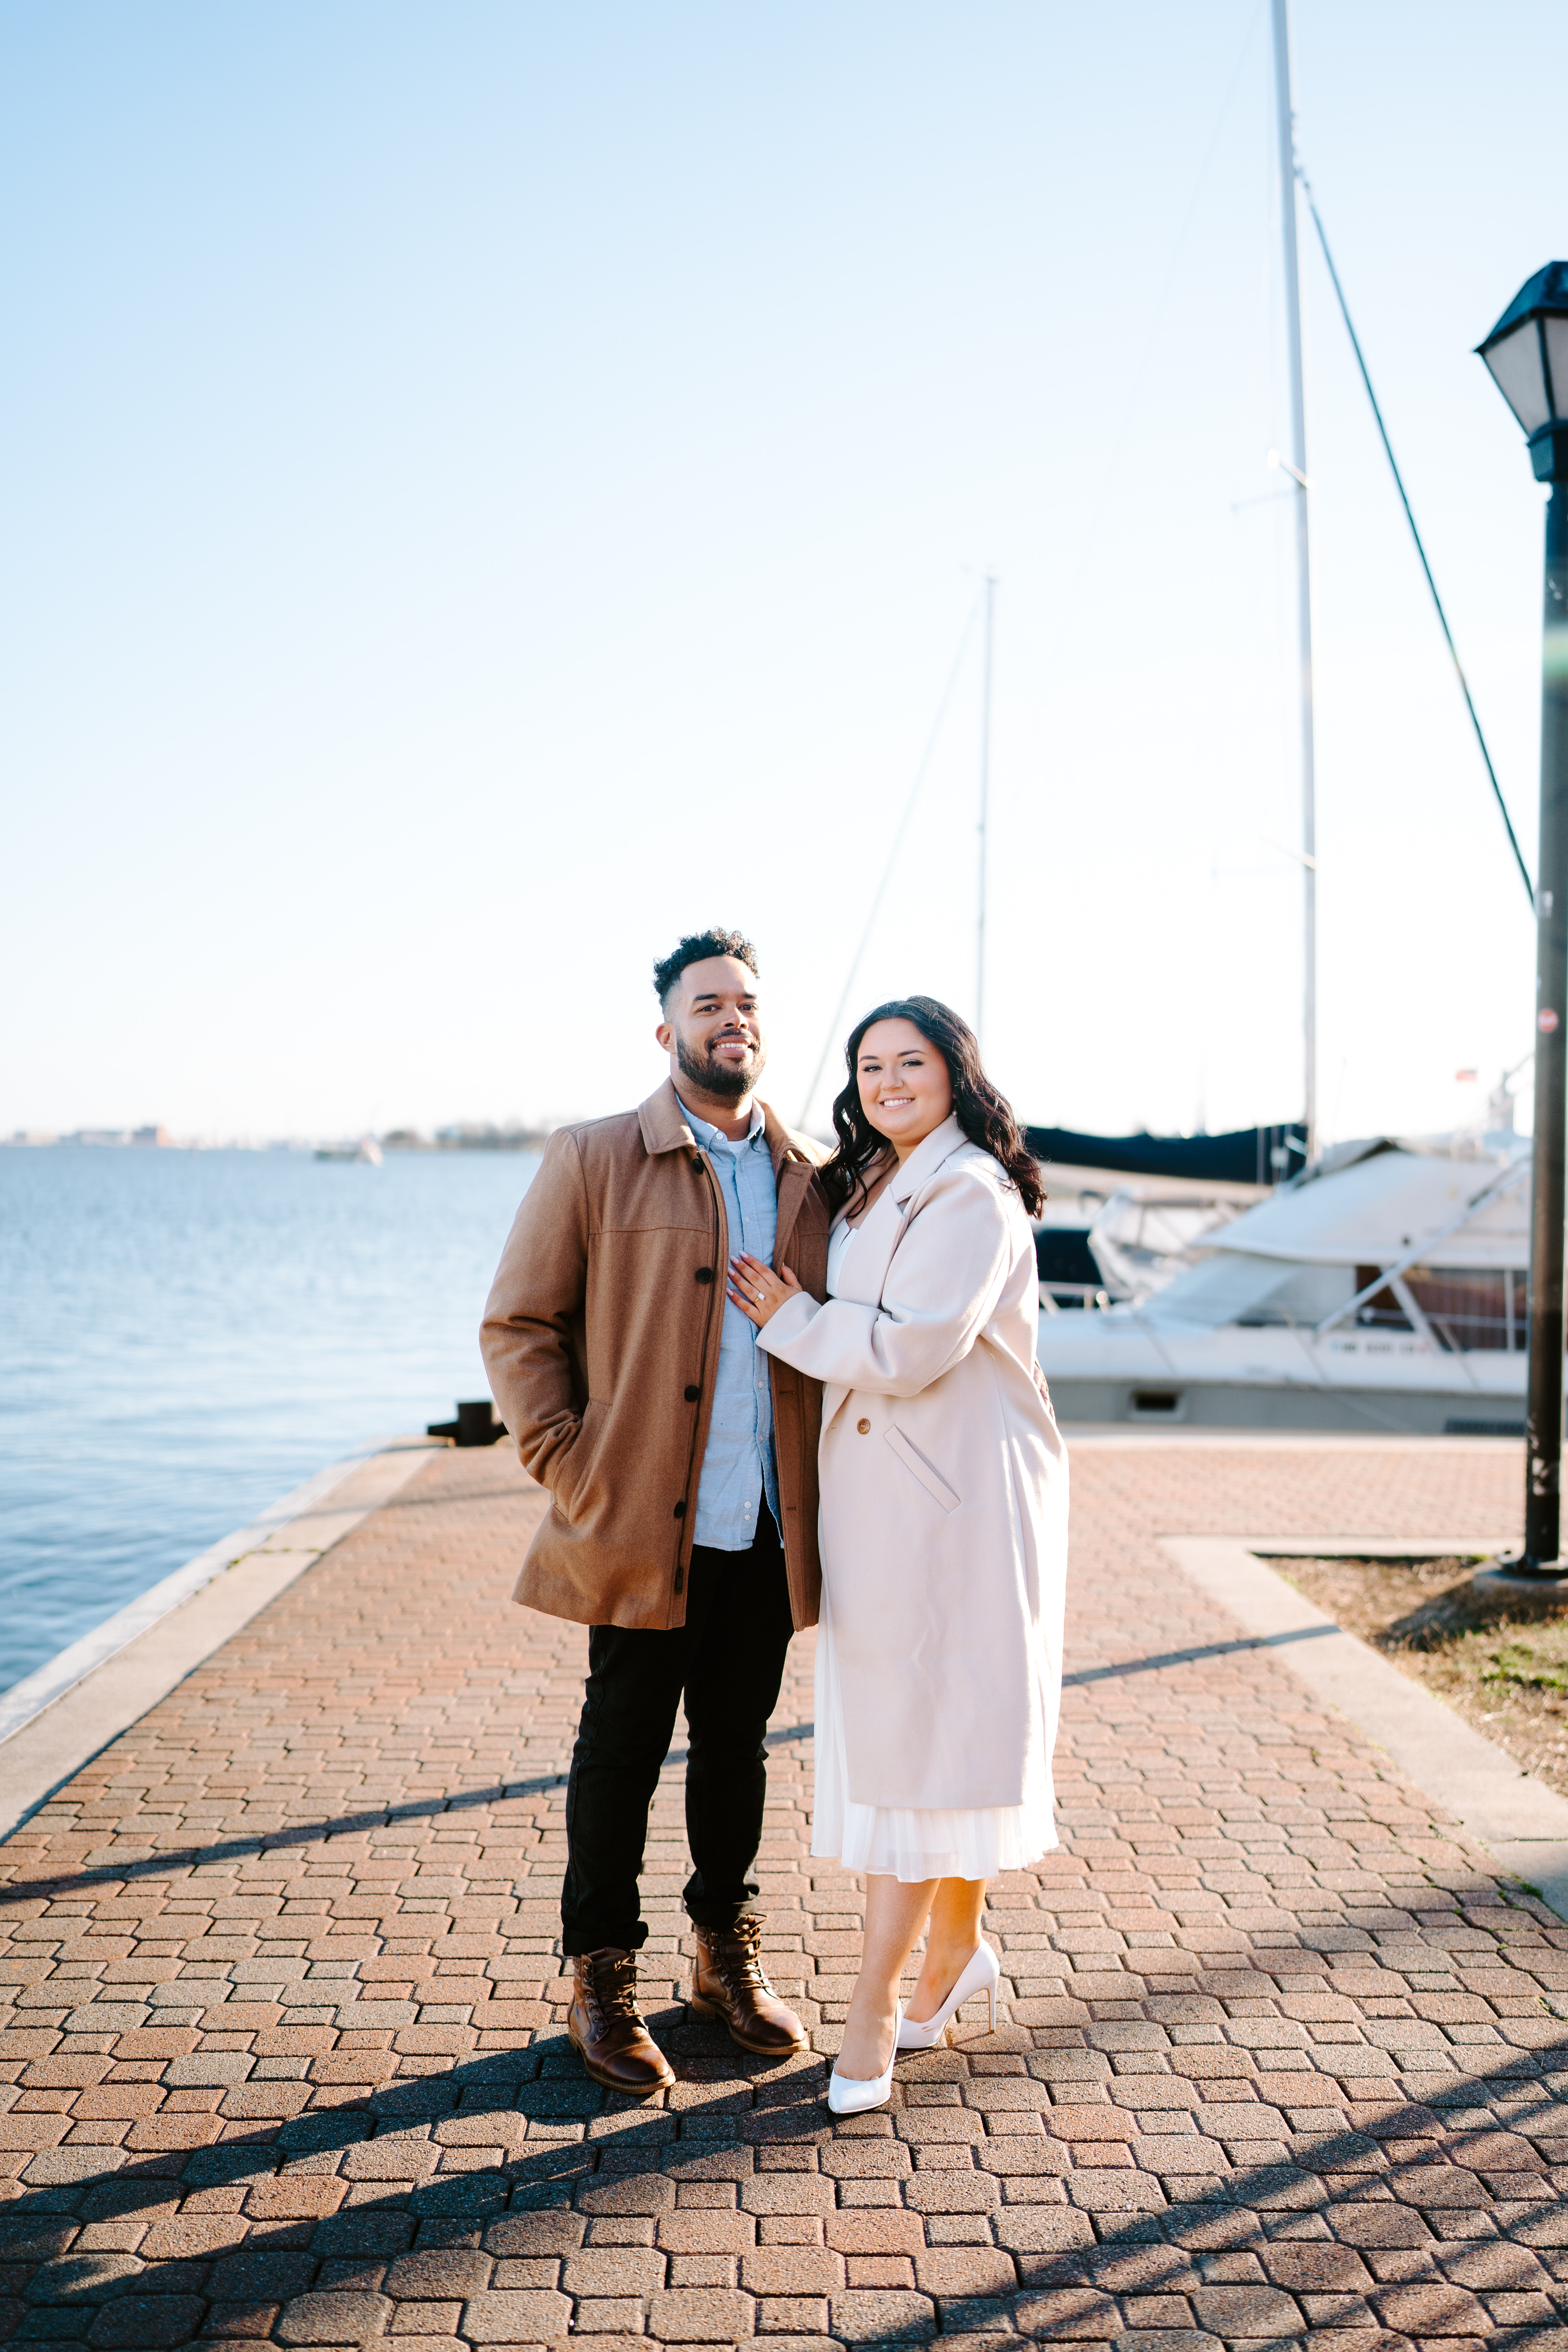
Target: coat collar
[[662, 1119], [866, 1267], [926, 1158], [665, 1128]]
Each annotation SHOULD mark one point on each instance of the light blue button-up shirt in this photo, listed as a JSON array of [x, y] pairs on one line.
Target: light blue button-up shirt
[[738, 1467]]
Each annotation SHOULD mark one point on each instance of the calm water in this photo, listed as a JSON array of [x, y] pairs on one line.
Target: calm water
[[185, 1335]]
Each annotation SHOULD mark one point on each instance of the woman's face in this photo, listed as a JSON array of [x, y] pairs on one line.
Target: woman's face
[[905, 1091]]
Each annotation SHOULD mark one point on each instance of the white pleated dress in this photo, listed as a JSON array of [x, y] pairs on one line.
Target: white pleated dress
[[884, 1841]]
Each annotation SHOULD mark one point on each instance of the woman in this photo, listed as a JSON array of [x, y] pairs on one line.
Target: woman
[[943, 1521]]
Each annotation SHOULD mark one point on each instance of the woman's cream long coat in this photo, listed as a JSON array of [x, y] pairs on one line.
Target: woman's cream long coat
[[944, 1489]]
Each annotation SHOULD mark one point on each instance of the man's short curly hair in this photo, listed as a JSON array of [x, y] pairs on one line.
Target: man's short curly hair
[[695, 948]]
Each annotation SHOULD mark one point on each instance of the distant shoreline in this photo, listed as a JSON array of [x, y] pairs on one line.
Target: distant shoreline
[[469, 1139], [466, 1139]]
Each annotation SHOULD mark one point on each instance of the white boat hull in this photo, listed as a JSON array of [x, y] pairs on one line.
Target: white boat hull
[[1223, 1404], [1127, 1366]]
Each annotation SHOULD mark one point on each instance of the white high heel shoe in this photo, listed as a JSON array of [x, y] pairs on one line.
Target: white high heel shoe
[[846, 2096], [980, 1974]]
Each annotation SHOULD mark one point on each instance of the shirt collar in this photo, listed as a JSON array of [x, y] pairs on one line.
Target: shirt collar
[[708, 1135]]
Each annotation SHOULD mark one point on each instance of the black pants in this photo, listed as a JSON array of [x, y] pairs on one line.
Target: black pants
[[729, 1659]]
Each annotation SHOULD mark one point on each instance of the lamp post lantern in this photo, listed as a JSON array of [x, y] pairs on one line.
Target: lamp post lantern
[[1527, 352]]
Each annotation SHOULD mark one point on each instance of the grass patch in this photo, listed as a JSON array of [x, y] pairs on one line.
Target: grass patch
[[1503, 1667]]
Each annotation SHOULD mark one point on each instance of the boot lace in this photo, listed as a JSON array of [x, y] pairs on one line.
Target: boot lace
[[737, 1956], [613, 1985]]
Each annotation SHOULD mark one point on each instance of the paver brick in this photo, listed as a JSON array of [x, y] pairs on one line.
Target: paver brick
[[889, 2318], [1429, 2307], [440, 2272], [515, 2318], [893, 2232], [1069, 2312], [522, 2272], [1104, 2121], [334, 2318], [612, 2270], [1244, 2311], [791, 2271], [1017, 2157], [964, 2270], [135, 2323], [700, 2316], [1316, 2268]]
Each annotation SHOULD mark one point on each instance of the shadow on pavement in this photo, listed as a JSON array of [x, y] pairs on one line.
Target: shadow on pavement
[[328, 2226], [158, 1863]]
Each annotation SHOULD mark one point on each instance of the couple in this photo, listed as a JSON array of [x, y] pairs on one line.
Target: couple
[[696, 1320]]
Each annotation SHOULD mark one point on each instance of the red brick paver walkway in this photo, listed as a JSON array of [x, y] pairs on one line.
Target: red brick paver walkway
[[285, 2061]]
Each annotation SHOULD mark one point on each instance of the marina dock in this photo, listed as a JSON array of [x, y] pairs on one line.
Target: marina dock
[[1283, 2051]]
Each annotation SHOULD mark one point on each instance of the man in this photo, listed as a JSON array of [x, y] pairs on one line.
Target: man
[[681, 1464]]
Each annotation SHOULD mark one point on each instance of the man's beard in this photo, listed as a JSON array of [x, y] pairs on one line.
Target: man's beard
[[728, 1080]]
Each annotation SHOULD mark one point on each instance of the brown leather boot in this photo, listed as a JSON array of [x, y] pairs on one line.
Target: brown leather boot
[[606, 2029], [728, 1981]]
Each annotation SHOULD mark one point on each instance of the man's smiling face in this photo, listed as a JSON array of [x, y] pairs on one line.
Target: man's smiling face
[[712, 1025]]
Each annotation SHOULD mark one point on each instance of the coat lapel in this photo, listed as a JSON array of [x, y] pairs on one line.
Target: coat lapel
[[792, 1172], [925, 1159], [866, 1267], [794, 1180]]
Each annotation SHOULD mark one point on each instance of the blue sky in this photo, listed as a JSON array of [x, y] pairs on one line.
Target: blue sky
[[487, 488]]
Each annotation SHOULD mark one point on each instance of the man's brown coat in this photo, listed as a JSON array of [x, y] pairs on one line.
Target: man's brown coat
[[601, 1339]]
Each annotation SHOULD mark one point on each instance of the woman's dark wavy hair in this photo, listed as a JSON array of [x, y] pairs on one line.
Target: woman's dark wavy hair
[[982, 1114]]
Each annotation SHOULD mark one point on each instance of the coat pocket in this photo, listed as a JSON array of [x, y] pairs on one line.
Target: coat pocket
[[914, 1461], [576, 1463]]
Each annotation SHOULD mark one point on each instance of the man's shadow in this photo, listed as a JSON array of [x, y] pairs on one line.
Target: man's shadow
[[53, 2288], [271, 2215]]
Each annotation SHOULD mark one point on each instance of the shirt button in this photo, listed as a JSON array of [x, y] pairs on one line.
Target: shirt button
[[681, 1510], [864, 1427], [704, 1274], [692, 1393]]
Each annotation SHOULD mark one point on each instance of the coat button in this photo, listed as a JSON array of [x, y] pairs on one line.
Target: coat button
[[704, 1274], [681, 1510], [692, 1393], [864, 1427]]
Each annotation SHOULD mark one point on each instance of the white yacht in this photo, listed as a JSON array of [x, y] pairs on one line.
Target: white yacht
[[1383, 1288], [366, 1154]]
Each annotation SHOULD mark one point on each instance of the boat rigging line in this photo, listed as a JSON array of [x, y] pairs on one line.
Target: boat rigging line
[[1415, 535], [982, 598], [985, 812]]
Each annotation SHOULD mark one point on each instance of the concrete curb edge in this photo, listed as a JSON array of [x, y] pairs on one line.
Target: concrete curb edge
[[1520, 1821]]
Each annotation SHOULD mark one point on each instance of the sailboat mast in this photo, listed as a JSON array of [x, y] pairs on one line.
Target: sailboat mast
[[1298, 469], [984, 812]]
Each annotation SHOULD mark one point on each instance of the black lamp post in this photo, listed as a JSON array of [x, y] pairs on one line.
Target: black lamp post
[[1527, 352]]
